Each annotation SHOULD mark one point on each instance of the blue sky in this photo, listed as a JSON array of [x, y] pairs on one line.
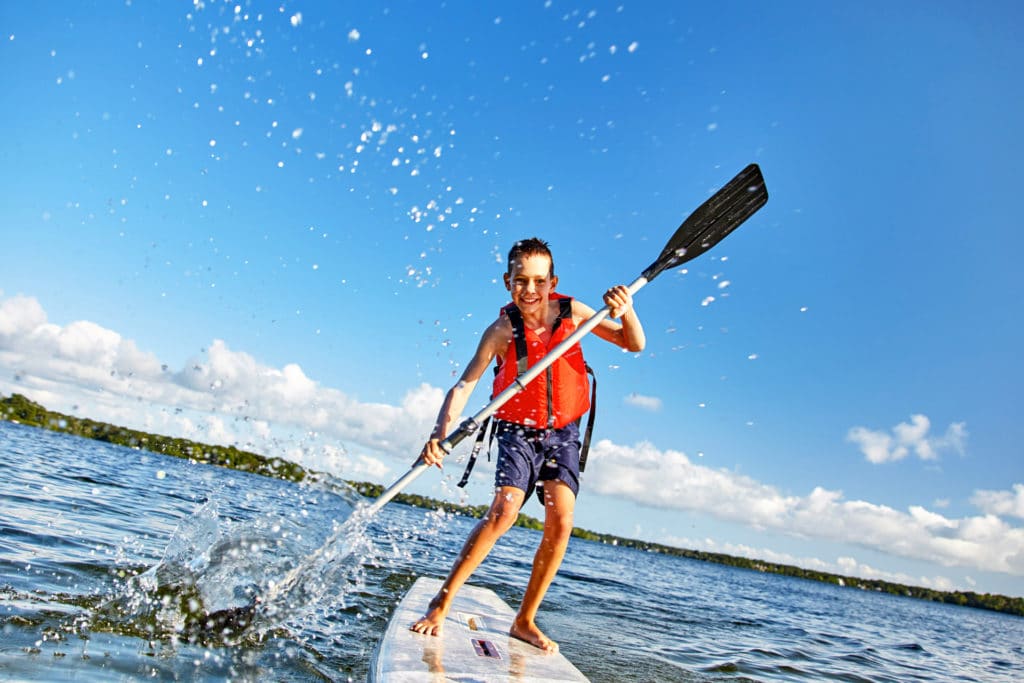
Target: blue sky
[[283, 225]]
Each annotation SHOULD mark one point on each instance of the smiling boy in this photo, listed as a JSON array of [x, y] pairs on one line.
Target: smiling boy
[[537, 430]]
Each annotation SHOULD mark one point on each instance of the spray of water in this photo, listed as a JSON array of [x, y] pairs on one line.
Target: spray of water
[[224, 581]]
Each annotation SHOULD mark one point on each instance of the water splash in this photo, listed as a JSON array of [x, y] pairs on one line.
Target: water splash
[[322, 579], [223, 580]]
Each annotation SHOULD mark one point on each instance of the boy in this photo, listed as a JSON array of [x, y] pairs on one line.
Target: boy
[[537, 431]]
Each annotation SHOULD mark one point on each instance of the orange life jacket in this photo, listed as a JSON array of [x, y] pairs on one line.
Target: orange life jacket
[[559, 396]]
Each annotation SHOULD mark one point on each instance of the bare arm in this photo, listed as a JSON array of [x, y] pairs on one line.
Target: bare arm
[[494, 342], [628, 332]]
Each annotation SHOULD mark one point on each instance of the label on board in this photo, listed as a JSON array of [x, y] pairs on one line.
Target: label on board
[[485, 648]]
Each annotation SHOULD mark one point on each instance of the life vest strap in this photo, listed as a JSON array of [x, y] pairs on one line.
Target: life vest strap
[[589, 431], [518, 338], [476, 449]]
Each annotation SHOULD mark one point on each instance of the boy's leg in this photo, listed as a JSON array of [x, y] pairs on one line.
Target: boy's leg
[[559, 504], [502, 515]]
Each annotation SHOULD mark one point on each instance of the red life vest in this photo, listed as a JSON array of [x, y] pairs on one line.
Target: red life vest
[[559, 396]]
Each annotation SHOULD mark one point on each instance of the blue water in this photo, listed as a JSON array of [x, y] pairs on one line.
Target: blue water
[[103, 549]]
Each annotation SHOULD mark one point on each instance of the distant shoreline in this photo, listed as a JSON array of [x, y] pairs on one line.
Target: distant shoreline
[[19, 409]]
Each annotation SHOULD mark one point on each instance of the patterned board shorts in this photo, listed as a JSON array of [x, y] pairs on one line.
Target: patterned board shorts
[[527, 456]]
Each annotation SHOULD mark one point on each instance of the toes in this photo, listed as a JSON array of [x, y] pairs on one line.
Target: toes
[[426, 629]]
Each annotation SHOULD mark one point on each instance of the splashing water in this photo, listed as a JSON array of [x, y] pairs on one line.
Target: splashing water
[[322, 577], [222, 581]]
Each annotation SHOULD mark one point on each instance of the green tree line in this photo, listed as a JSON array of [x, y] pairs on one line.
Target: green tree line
[[18, 408]]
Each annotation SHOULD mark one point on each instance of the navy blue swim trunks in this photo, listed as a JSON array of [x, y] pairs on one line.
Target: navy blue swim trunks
[[527, 456]]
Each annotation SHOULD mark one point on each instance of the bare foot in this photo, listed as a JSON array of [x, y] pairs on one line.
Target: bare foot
[[430, 623], [527, 631]]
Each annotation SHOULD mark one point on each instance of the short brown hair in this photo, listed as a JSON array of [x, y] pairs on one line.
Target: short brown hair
[[532, 246]]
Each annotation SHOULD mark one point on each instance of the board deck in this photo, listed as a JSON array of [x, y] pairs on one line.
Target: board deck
[[474, 645]]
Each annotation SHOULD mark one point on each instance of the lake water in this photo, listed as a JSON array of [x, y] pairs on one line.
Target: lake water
[[104, 551]]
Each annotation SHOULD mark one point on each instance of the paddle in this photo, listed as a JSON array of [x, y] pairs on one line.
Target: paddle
[[708, 225], [704, 228]]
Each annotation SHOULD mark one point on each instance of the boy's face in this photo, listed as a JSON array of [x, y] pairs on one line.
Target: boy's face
[[530, 281]]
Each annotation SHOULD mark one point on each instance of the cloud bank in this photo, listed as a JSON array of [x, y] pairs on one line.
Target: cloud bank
[[668, 479], [221, 395], [226, 396]]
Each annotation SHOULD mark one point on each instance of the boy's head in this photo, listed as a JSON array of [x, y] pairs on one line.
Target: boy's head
[[531, 272], [532, 246]]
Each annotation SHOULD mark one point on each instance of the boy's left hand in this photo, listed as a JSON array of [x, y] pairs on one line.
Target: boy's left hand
[[619, 300]]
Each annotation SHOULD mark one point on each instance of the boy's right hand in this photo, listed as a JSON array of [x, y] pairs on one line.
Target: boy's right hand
[[432, 453]]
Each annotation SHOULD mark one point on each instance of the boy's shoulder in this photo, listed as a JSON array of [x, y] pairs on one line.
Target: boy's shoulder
[[501, 325]]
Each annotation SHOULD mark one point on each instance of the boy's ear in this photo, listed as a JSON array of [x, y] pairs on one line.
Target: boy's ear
[[508, 281], [554, 282]]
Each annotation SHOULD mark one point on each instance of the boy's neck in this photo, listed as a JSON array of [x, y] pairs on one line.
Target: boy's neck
[[544, 320]]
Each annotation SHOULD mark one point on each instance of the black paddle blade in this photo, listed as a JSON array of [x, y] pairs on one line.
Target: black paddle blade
[[713, 220]]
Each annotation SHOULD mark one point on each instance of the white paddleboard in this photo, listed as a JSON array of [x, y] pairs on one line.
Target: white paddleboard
[[474, 645]]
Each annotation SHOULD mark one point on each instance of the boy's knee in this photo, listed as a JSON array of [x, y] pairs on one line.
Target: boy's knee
[[498, 525], [559, 524], [503, 515]]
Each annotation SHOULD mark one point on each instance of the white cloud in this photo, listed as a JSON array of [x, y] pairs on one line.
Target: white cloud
[[650, 403], [876, 446], [331, 458], [221, 395], [217, 431], [82, 352], [18, 315], [906, 438], [1002, 503], [669, 480]]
